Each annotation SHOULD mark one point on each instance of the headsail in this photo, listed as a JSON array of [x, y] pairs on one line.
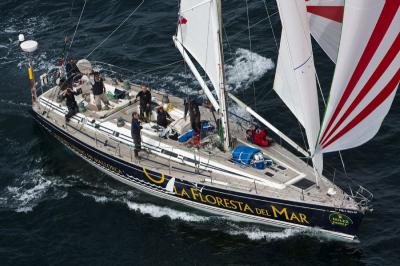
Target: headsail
[[295, 80], [325, 17], [367, 74], [198, 32]]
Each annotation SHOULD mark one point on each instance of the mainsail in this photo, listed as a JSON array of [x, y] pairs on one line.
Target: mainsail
[[198, 32], [325, 17], [295, 78], [367, 74]]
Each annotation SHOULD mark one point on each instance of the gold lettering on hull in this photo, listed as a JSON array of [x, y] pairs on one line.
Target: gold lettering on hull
[[227, 203]]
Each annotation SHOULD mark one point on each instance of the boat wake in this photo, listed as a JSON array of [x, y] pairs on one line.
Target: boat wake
[[157, 212], [28, 191], [247, 67]]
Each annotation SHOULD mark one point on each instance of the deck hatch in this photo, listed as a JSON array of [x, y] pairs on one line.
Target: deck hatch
[[304, 184]]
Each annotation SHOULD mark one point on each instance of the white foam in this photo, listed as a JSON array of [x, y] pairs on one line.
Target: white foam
[[157, 212], [256, 233], [247, 67], [25, 197]]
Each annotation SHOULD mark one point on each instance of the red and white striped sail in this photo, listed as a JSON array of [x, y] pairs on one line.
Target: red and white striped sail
[[295, 79], [325, 17], [366, 76]]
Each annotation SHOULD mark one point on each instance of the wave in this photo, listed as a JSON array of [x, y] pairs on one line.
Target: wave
[[157, 212], [29, 191], [255, 233]]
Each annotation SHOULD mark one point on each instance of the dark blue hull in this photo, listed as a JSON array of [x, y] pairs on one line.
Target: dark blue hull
[[342, 223]]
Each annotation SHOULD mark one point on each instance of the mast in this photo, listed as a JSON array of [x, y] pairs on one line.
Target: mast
[[225, 134]]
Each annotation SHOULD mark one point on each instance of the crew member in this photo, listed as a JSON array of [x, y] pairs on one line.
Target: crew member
[[145, 103], [135, 133], [260, 138], [72, 70], [72, 106], [194, 113], [99, 92], [163, 118]]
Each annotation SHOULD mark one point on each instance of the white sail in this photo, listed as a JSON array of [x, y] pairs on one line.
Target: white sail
[[295, 80], [366, 76], [198, 32], [325, 17]]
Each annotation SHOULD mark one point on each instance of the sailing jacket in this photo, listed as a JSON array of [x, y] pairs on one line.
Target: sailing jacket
[[70, 99], [145, 98], [98, 87], [162, 118], [193, 108], [135, 128]]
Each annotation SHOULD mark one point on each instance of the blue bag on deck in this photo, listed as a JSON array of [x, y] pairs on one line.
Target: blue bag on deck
[[250, 156], [205, 127]]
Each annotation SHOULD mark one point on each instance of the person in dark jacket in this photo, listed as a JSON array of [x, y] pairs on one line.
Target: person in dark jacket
[[145, 103], [99, 92], [72, 106], [163, 118], [72, 71], [192, 108], [135, 133]]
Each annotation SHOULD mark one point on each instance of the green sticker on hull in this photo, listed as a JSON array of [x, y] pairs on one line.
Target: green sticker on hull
[[340, 219]]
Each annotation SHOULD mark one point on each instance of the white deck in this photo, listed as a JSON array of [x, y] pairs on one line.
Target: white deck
[[275, 181]]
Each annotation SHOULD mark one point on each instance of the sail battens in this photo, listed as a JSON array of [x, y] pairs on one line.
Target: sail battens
[[365, 79], [305, 62]]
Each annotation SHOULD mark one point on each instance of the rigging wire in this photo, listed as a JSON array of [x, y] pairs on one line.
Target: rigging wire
[[77, 25], [270, 23], [325, 104], [251, 54], [117, 28]]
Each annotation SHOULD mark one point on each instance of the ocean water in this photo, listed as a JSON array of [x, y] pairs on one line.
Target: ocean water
[[55, 209]]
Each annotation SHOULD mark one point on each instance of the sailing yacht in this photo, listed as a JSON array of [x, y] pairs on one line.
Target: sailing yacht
[[224, 173]]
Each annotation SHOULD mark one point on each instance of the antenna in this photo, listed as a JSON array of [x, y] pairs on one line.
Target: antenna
[[29, 47]]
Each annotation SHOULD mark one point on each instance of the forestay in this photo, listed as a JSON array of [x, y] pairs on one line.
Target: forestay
[[295, 79], [198, 32], [366, 76], [325, 18]]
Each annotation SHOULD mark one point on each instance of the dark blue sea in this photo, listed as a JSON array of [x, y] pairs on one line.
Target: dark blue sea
[[55, 209]]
